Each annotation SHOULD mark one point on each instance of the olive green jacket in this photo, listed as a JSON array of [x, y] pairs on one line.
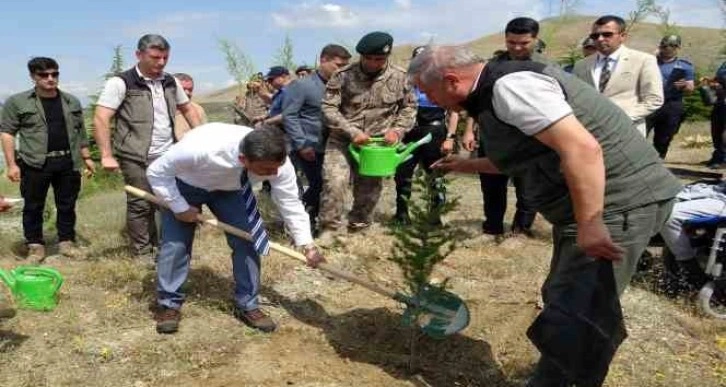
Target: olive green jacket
[[23, 117]]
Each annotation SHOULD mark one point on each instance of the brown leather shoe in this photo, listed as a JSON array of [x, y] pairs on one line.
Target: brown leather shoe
[[69, 249], [36, 252], [167, 320], [255, 318]]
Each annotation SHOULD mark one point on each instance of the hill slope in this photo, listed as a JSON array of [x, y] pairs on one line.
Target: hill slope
[[700, 45]]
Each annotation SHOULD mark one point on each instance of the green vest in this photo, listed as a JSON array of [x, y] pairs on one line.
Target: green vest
[[635, 175], [135, 116]]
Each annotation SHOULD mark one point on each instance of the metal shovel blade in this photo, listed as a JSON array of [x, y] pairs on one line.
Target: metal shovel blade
[[439, 313]]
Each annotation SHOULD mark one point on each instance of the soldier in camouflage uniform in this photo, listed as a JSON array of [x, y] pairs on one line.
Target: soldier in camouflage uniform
[[253, 105], [366, 98]]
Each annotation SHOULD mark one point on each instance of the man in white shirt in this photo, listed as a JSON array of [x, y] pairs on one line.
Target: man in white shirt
[[213, 165], [142, 101], [630, 78]]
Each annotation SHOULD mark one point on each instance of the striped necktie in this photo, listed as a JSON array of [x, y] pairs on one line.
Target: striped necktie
[[257, 229], [604, 74]]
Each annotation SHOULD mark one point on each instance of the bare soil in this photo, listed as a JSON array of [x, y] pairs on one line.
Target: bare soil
[[331, 333]]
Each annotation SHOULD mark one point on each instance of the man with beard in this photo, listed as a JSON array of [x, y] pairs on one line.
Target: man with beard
[[369, 97]]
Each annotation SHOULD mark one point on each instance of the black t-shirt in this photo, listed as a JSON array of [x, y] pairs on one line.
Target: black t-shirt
[[57, 134]]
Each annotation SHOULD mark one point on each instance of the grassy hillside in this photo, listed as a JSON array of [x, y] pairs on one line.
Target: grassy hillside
[[701, 45]]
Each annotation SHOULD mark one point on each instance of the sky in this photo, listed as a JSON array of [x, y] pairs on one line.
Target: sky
[[81, 34]]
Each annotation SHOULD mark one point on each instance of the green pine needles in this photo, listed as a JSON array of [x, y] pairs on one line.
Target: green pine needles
[[425, 242]]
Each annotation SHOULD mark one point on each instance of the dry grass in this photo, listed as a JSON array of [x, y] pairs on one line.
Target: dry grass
[[331, 333]]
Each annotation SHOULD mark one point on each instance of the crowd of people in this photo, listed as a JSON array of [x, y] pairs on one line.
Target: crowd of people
[[572, 140]]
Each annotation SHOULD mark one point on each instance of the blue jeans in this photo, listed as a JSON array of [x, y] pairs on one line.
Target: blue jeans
[[177, 237]]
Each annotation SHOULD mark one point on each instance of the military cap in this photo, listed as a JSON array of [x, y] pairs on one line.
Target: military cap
[[375, 43], [276, 71], [671, 40]]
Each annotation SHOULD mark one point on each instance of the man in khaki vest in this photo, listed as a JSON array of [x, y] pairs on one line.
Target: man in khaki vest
[[143, 102]]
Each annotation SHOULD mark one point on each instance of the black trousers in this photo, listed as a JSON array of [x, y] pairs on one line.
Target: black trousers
[[313, 171], [665, 123], [494, 193], [425, 155], [34, 184], [718, 126]]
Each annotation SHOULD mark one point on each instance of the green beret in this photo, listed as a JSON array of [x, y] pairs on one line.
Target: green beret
[[375, 43]]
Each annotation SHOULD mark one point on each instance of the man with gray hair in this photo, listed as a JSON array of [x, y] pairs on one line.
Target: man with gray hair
[[587, 170], [143, 102], [214, 165]]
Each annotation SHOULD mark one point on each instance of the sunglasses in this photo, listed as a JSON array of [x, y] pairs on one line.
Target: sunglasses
[[596, 35], [53, 74], [669, 45]]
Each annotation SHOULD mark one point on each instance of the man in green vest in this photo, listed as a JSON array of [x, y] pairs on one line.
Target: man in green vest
[[586, 170]]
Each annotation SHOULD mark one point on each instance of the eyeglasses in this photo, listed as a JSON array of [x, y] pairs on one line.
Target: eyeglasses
[[53, 74], [597, 35]]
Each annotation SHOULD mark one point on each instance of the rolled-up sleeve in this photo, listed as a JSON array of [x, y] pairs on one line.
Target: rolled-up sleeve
[[285, 195], [162, 177]]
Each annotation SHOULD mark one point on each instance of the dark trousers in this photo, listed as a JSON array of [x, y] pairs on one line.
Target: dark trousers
[[34, 183], [425, 155], [581, 325], [140, 222], [313, 172], [718, 126], [665, 123], [494, 192]]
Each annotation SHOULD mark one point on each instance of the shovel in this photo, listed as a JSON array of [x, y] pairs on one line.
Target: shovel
[[438, 312]]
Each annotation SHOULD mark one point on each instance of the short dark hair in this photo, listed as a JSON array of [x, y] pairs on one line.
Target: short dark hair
[[522, 25], [41, 63], [184, 77], [263, 145], [153, 41], [335, 51], [602, 20]]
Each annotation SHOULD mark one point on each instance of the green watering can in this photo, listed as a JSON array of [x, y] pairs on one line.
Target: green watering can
[[34, 287], [378, 159]]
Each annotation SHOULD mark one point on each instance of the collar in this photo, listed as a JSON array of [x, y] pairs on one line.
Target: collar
[[615, 56], [320, 77], [144, 77], [472, 103]]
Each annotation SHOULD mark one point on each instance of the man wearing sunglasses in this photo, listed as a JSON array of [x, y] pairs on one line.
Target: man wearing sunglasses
[[678, 79], [630, 78], [52, 150]]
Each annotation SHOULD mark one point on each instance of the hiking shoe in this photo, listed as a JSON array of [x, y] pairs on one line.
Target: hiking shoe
[[256, 319], [520, 230], [167, 320], [489, 229], [36, 252], [69, 249], [6, 311]]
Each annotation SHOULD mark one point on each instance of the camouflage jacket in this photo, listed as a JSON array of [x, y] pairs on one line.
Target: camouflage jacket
[[355, 103], [254, 105]]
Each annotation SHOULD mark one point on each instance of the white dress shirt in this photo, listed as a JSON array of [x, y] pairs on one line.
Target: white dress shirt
[[601, 62], [208, 158]]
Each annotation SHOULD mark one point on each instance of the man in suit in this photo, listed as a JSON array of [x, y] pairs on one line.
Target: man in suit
[[630, 78]]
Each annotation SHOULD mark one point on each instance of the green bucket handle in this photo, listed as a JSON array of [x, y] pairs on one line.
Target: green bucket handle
[[45, 271]]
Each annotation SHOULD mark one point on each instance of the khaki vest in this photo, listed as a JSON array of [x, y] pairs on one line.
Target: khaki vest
[[135, 117]]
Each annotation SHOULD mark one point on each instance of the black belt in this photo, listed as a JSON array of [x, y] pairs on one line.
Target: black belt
[[59, 153]]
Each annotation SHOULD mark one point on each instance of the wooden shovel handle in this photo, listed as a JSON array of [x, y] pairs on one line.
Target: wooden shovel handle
[[274, 246]]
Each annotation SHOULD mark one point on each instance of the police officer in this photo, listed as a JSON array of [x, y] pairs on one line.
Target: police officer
[[678, 78], [430, 118], [368, 97]]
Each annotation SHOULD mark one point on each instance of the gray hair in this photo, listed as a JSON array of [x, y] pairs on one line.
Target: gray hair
[[263, 145], [153, 41], [429, 65]]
